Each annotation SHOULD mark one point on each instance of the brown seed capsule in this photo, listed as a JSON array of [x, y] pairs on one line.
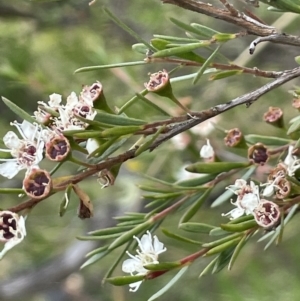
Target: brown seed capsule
[[58, 148], [234, 138], [37, 184], [267, 214], [274, 116], [258, 153]]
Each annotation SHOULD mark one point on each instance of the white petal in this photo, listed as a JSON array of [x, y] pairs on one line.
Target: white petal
[[91, 145], [146, 243], [135, 286], [158, 246], [12, 141], [9, 245], [72, 100], [21, 226], [249, 202], [130, 265], [29, 130], [55, 100], [9, 169]]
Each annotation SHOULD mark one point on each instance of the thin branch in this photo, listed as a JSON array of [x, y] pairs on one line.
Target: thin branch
[[252, 26]]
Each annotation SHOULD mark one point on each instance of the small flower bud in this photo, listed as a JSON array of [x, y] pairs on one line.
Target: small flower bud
[[258, 153], [235, 138], [274, 116], [37, 184], [58, 148], [207, 151], [267, 214]]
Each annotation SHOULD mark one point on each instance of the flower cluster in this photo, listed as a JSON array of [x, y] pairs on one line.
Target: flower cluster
[[266, 213], [150, 248]]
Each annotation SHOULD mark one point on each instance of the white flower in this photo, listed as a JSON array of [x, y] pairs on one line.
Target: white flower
[[26, 152], [291, 162], [148, 254], [12, 230], [247, 201], [207, 151]]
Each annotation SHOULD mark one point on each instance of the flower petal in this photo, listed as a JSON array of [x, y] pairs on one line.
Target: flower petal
[[9, 169]]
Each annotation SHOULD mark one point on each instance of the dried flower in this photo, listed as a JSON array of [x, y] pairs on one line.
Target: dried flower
[[148, 254], [58, 148], [274, 116], [234, 138], [258, 153], [267, 214], [37, 184], [12, 230]]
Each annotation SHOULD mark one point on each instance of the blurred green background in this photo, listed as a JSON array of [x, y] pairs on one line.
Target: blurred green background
[[41, 45]]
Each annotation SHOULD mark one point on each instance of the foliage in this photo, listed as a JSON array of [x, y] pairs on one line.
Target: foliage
[[260, 171]]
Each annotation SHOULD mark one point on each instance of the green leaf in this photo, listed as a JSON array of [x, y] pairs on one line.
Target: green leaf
[[145, 146], [239, 227], [180, 238], [297, 59], [140, 48], [117, 119], [237, 251], [180, 49], [160, 44], [204, 31], [221, 241], [206, 64], [224, 37], [96, 251], [18, 111], [129, 235], [195, 207], [170, 284], [151, 104], [223, 260], [215, 167], [175, 39], [196, 181], [102, 237], [11, 191], [108, 66], [209, 267], [295, 126], [196, 227], [95, 258], [220, 248], [162, 266], [267, 140], [185, 26], [123, 280], [126, 28], [218, 232], [224, 74]]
